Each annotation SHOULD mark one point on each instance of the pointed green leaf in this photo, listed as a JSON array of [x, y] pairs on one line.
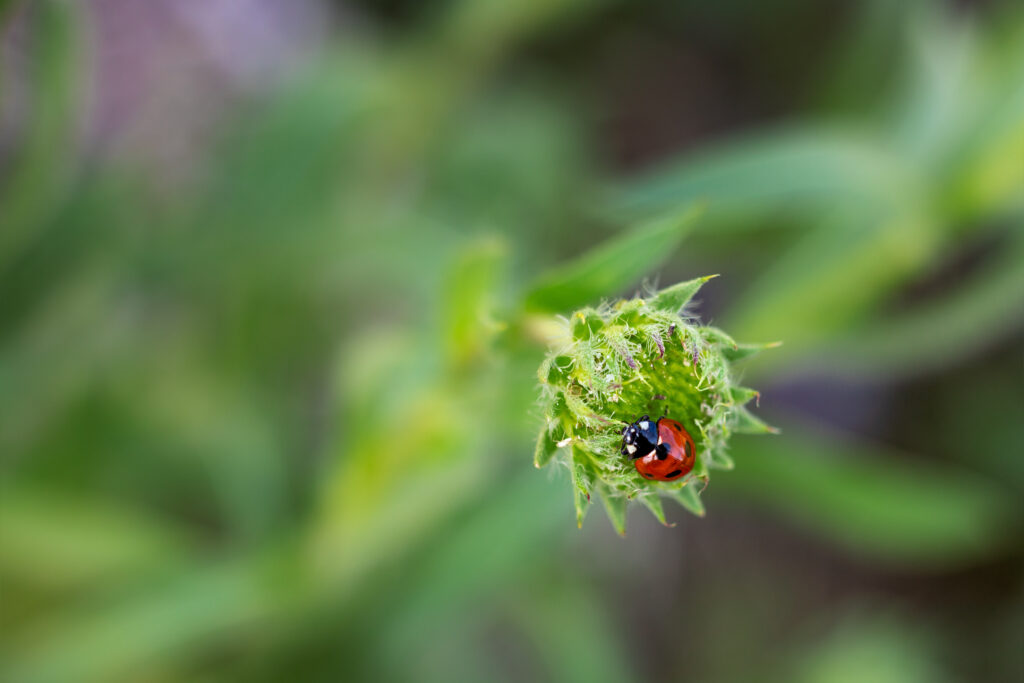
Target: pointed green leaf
[[716, 336], [653, 504], [544, 370], [579, 409], [688, 497], [586, 326], [581, 494], [744, 422], [743, 395], [545, 449], [613, 266], [615, 506], [721, 460], [741, 351], [700, 470], [674, 298]]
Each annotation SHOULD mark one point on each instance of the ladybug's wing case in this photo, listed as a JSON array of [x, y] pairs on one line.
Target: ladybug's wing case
[[678, 442], [669, 449]]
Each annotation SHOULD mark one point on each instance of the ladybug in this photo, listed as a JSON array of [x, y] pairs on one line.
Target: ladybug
[[661, 450]]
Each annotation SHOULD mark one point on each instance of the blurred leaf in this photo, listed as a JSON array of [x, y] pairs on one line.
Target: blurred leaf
[[476, 31], [468, 315], [832, 275], [40, 171], [50, 540], [577, 641], [122, 637], [935, 100], [366, 519], [41, 377], [454, 577], [989, 176], [861, 65], [880, 647], [787, 169], [924, 515], [616, 507], [984, 173], [941, 331], [612, 266]]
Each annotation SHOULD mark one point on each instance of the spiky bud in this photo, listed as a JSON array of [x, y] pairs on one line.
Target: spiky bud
[[641, 356]]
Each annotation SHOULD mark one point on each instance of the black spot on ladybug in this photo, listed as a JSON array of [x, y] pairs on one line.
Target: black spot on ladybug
[[661, 451], [673, 473]]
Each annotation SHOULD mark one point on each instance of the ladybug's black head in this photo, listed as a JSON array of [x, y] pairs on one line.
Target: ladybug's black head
[[640, 438]]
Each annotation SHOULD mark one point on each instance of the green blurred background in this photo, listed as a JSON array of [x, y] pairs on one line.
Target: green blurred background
[[267, 351]]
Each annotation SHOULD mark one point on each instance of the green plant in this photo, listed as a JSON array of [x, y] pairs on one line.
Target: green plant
[[643, 355], [197, 381]]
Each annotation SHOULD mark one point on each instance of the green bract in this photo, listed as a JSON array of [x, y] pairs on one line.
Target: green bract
[[640, 356]]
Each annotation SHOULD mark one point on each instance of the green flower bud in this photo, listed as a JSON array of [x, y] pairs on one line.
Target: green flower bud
[[640, 356]]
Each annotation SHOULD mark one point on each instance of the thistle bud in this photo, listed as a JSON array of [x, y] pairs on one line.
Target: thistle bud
[[636, 357]]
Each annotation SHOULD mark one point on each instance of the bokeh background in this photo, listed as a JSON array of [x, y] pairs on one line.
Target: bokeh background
[[267, 363]]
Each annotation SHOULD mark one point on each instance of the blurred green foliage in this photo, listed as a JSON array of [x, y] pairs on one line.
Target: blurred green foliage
[[276, 423]]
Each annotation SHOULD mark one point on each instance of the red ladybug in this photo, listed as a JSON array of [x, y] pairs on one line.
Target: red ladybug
[[661, 450]]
